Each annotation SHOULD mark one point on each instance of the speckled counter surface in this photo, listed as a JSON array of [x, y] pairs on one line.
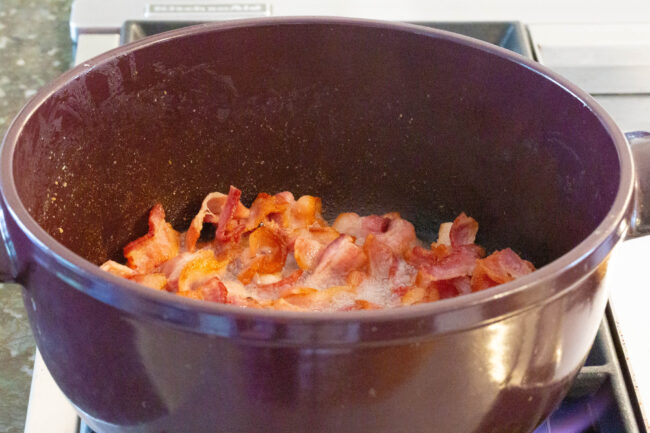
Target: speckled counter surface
[[35, 47]]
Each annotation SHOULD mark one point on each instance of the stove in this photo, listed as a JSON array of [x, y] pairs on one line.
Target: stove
[[610, 61]]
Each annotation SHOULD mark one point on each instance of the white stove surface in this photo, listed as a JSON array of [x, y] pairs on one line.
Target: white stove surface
[[602, 46]]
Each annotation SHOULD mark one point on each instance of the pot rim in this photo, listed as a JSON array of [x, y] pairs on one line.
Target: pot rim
[[137, 299]]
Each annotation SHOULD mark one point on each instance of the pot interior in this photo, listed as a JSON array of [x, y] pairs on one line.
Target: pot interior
[[369, 117]]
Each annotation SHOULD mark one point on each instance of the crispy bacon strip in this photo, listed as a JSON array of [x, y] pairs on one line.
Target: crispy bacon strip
[[263, 206], [359, 227], [201, 268], [155, 281], [285, 282], [226, 232], [306, 211], [338, 259], [382, 262], [210, 212], [268, 250], [459, 262], [498, 268], [328, 266], [399, 237], [117, 269], [212, 290], [361, 304], [312, 299], [463, 230], [156, 247]]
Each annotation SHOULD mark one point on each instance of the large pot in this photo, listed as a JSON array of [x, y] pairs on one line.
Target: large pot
[[370, 116]]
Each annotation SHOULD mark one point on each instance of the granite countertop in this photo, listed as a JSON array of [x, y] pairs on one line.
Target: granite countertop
[[35, 47]]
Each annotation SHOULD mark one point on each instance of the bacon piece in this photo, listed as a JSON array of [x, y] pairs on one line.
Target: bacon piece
[[498, 268], [306, 211], [225, 230], [212, 290], [382, 262], [458, 263], [312, 299], [463, 230], [199, 269], [160, 244], [268, 250], [352, 224], [308, 244], [284, 305], [210, 212], [306, 252], [375, 224], [355, 278], [286, 281], [117, 269], [155, 281], [338, 259], [399, 237], [443, 234], [417, 295], [450, 288], [419, 257], [263, 206], [361, 304]]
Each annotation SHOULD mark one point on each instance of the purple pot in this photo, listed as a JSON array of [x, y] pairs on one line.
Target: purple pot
[[370, 116]]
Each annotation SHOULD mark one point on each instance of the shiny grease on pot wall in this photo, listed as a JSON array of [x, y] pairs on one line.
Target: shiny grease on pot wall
[[388, 116]]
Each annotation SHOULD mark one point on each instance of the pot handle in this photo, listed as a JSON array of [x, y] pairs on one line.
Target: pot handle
[[640, 144], [8, 269]]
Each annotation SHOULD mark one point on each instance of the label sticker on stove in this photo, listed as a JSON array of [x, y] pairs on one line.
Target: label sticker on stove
[[207, 10]]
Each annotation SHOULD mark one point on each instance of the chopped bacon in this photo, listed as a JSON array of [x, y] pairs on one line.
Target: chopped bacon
[[282, 254], [155, 281], [306, 252], [420, 257], [361, 304], [263, 206], [156, 247], [268, 251], [352, 224], [199, 269], [210, 212], [451, 287], [443, 234], [225, 230], [498, 268], [355, 278], [382, 262], [286, 281], [214, 290], [399, 236], [349, 223], [375, 224], [460, 262], [416, 295], [309, 243], [307, 297], [463, 230], [117, 269], [338, 259], [306, 211]]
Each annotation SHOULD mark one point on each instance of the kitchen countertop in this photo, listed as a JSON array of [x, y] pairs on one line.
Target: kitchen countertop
[[35, 47]]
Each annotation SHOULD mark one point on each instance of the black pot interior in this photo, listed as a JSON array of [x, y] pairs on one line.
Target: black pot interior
[[370, 118]]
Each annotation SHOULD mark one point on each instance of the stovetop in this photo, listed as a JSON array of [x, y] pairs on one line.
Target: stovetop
[[603, 398]]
